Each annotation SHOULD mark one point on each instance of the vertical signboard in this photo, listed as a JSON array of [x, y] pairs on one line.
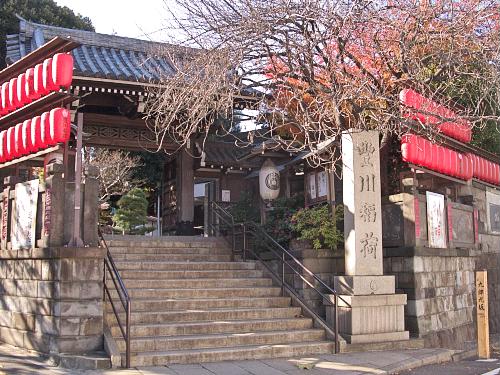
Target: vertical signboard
[[483, 330], [436, 220], [24, 218]]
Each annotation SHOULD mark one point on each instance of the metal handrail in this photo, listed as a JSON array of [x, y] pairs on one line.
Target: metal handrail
[[110, 267], [254, 230]]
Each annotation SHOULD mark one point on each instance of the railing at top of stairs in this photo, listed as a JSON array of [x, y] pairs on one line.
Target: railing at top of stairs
[[113, 273], [221, 222]]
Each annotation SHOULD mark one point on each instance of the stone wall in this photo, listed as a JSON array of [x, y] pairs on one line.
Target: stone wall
[[440, 282], [51, 295], [51, 299], [325, 263]]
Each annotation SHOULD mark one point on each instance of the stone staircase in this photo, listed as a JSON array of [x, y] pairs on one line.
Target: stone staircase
[[191, 303]]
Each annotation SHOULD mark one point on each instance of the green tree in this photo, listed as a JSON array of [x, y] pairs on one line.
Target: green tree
[[132, 210], [39, 11]]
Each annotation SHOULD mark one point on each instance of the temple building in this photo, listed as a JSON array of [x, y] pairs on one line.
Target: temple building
[[420, 218]]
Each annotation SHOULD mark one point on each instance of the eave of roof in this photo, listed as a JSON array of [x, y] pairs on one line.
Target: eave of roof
[[99, 55]]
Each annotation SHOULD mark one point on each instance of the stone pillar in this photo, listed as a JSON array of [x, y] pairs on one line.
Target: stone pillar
[[91, 206], [369, 311], [185, 194], [53, 222]]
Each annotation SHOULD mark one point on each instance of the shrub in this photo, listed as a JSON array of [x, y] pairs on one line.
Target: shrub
[[278, 221], [132, 210], [319, 226]]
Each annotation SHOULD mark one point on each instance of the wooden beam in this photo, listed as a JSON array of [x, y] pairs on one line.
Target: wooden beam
[[28, 157], [46, 103]]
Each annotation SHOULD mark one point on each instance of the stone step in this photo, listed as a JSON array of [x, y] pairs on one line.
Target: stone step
[[173, 257], [202, 293], [204, 315], [146, 344], [196, 283], [190, 275], [169, 250], [165, 242], [164, 305], [211, 327], [187, 266], [159, 358]]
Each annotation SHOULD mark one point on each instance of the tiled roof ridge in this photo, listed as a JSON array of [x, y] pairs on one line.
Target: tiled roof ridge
[[94, 38]]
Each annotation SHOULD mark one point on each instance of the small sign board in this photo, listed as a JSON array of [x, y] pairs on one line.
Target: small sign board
[[226, 195], [483, 330], [24, 218], [436, 220]]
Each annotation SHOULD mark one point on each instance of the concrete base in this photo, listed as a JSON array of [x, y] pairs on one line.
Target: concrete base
[[365, 285], [373, 318], [377, 337]]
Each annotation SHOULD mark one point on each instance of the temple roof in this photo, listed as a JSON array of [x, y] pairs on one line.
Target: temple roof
[[99, 55]]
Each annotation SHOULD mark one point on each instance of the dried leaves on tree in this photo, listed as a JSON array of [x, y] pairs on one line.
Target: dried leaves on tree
[[316, 68], [116, 170]]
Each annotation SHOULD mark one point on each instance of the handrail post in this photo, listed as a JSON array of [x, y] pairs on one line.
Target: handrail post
[[244, 243], [283, 273], [104, 283], [336, 318], [127, 353]]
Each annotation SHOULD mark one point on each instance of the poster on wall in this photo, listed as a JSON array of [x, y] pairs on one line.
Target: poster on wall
[[226, 195], [436, 221], [493, 212], [24, 224], [311, 181], [322, 184]]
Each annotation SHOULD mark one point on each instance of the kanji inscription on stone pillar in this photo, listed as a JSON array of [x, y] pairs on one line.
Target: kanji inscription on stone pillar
[[362, 205]]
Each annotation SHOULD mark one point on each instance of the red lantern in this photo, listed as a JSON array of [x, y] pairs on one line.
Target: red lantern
[[62, 70], [26, 136], [3, 146], [14, 102], [36, 132], [11, 141], [45, 129], [18, 136], [21, 90], [39, 89], [60, 125], [48, 82], [30, 85], [5, 105]]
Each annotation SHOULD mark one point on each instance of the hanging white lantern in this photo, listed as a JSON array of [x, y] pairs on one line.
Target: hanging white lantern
[[269, 181]]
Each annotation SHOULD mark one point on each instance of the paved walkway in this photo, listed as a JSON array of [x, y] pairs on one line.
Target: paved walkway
[[16, 362]]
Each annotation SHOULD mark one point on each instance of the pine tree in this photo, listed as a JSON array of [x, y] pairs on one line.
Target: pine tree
[[132, 210]]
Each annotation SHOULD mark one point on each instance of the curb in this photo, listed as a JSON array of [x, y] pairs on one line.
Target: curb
[[444, 356]]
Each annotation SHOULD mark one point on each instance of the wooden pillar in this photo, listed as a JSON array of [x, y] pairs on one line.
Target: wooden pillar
[[185, 193]]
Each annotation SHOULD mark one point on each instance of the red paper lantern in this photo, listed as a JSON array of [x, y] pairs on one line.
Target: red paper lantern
[[36, 133], [21, 90], [48, 82], [5, 105], [45, 129], [39, 89], [11, 141], [26, 136], [62, 70], [60, 125], [18, 136], [30, 85], [13, 100], [3, 146]]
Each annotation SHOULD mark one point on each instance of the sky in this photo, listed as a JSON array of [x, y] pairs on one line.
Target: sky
[[144, 19]]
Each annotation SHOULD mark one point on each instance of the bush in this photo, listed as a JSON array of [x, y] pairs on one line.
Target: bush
[[319, 226], [132, 210], [279, 219], [245, 209]]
